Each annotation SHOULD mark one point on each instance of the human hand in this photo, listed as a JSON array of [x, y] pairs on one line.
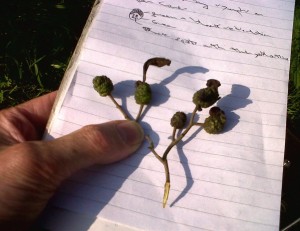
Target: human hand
[[31, 170]]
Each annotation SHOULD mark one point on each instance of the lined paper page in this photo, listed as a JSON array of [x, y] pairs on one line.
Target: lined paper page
[[230, 181]]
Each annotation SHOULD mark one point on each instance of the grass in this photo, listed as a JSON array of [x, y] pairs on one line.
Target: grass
[[293, 111], [37, 40], [295, 56]]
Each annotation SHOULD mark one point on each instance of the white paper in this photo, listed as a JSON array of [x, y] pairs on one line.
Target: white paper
[[230, 181]]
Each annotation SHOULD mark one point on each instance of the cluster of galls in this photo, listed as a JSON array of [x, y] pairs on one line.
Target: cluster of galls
[[143, 94], [104, 86], [205, 98]]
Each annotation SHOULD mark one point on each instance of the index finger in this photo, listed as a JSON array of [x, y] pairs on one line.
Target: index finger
[[39, 109], [26, 121]]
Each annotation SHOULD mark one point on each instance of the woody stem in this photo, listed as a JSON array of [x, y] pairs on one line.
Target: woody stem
[[119, 107], [140, 112], [164, 159], [179, 138]]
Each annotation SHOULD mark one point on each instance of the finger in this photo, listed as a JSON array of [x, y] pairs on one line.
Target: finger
[[26, 121], [102, 144], [30, 172], [38, 110]]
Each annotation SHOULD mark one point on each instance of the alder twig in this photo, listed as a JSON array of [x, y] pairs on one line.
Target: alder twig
[[178, 139], [119, 107], [202, 98], [140, 112], [167, 171], [174, 133], [164, 159]]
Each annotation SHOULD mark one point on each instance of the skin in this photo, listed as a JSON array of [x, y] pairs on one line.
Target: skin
[[31, 170]]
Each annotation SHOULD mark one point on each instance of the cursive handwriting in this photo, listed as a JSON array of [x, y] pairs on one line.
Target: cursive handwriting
[[240, 51], [275, 56], [144, 1], [171, 6], [154, 14], [230, 28], [148, 29], [239, 10], [205, 6], [188, 41], [239, 29], [165, 19], [178, 39], [216, 46], [218, 26], [198, 21], [185, 41], [162, 24]]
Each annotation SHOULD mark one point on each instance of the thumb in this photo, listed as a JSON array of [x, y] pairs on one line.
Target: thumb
[[94, 144], [30, 172]]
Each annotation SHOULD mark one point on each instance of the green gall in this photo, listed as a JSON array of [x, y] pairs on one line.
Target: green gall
[[103, 85], [215, 122], [206, 97], [178, 120], [213, 83], [143, 93]]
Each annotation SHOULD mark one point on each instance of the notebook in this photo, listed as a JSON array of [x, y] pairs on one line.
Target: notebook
[[226, 181]]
